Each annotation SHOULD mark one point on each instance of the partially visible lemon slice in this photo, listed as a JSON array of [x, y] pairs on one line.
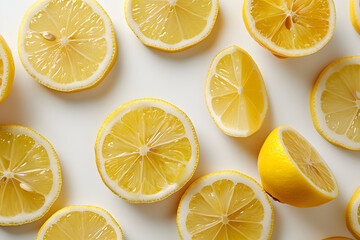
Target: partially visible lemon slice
[[171, 25], [291, 28], [335, 103], [80, 222], [7, 70], [146, 150], [337, 238], [30, 175], [293, 172], [355, 14], [225, 205], [353, 214], [235, 93], [67, 45]]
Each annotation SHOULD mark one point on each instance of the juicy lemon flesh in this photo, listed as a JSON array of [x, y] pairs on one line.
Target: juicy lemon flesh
[[171, 21], [291, 24], [25, 177], [237, 92], [66, 41], [80, 225], [225, 210], [308, 161], [340, 102], [146, 151]]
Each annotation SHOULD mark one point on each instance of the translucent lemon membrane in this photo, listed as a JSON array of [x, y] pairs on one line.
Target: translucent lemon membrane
[[292, 24], [308, 161], [78, 225], [66, 41], [146, 151], [340, 102], [237, 91], [225, 210], [25, 177], [171, 21]]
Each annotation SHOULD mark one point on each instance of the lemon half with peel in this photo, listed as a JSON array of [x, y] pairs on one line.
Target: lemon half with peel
[[146, 150], [293, 172], [30, 175], [291, 28], [171, 25], [80, 222], [353, 214], [67, 45], [225, 205], [235, 93], [7, 70], [335, 103], [355, 14]]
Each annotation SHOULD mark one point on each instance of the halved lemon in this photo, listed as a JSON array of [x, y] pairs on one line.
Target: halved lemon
[[291, 28], [171, 25], [335, 103], [355, 14], [353, 214], [7, 70], [337, 238], [67, 45], [146, 150], [293, 172], [30, 175], [235, 93], [225, 205], [80, 222]]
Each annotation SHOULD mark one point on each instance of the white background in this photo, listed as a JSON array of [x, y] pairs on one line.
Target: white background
[[71, 121]]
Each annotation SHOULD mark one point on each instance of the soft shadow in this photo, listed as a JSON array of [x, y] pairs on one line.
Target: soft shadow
[[278, 221]]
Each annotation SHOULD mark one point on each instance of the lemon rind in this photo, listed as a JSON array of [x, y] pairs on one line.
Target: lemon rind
[[354, 14]]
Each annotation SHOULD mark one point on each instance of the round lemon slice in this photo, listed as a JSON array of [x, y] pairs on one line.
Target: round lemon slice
[[30, 175], [7, 70], [235, 93], [353, 214], [293, 172], [67, 45], [335, 103], [225, 205], [337, 238], [146, 150], [291, 28], [355, 14], [80, 222], [171, 25]]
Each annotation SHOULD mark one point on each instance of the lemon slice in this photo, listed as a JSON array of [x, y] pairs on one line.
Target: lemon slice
[[80, 222], [146, 150], [7, 70], [337, 238], [353, 214], [30, 175], [291, 28], [355, 14], [293, 172], [171, 25], [67, 45], [235, 93], [335, 103], [225, 205]]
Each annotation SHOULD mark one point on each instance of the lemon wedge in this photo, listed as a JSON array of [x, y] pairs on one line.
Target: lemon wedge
[[30, 175], [146, 150], [7, 70], [235, 93], [293, 172], [67, 45], [171, 25], [225, 205]]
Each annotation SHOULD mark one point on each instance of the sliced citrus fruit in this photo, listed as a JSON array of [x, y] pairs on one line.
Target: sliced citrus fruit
[[146, 150], [293, 172], [335, 103], [30, 175], [355, 14], [353, 214], [7, 70], [225, 205], [290, 28], [171, 25], [337, 238], [235, 93], [80, 222], [67, 45]]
